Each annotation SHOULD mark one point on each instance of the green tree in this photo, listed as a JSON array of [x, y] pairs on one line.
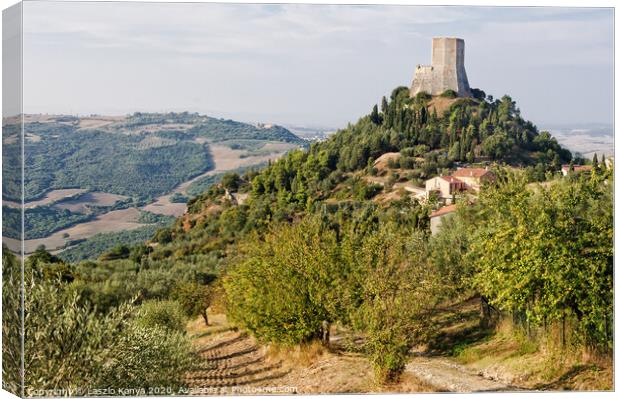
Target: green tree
[[287, 285], [195, 299], [548, 253], [374, 115], [391, 292]]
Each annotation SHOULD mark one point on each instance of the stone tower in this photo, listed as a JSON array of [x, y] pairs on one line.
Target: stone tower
[[447, 70]]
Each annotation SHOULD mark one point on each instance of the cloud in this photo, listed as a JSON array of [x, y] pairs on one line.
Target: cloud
[[257, 59]]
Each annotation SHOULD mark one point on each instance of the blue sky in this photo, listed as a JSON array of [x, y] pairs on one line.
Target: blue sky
[[303, 64]]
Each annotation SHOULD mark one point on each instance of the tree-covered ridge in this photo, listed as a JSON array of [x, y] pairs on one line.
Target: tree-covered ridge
[[469, 131]]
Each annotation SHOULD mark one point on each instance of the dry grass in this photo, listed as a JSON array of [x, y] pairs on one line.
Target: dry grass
[[49, 198], [406, 384], [441, 104], [82, 202], [303, 355], [537, 362], [381, 163]]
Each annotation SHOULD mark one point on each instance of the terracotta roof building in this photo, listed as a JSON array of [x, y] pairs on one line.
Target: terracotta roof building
[[445, 187], [474, 177], [576, 169], [438, 216]]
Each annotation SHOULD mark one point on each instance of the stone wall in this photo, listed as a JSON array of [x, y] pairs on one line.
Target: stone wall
[[446, 72]]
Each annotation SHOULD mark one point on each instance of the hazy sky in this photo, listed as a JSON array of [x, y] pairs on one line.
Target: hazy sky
[[304, 64]]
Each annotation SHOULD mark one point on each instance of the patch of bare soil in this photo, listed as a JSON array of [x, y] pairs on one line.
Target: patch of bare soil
[[449, 376], [49, 198], [97, 122], [441, 104], [381, 163]]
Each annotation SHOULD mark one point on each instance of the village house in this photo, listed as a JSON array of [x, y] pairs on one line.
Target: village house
[[446, 187], [439, 215], [576, 169], [474, 177]]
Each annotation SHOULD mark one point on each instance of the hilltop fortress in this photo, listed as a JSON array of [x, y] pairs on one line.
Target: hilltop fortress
[[447, 69]]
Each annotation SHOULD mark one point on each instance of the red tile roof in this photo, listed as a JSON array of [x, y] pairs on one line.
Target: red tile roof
[[577, 168], [470, 172], [444, 210]]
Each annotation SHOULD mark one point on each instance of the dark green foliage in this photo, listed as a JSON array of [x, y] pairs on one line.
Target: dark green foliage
[[162, 314], [200, 186], [94, 246], [449, 94], [423, 96], [178, 198], [40, 221], [118, 252], [478, 94], [142, 165], [302, 177], [194, 297], [374, 115], [163, 236], [225, 129], [231, 181], [107, 161], [147, 217]]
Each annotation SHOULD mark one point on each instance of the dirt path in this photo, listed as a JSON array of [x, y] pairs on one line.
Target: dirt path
[[230, 361], [233, 363], [449, 376]]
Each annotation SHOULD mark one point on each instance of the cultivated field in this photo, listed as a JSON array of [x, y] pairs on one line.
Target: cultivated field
[[80, 204], [49, 198], [124, 219]]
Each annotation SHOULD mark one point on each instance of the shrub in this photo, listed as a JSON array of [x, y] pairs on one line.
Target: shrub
[[163, 236], [11, 316], [478, 94], [449, 94], [144, 358], [118, 252], [168, 315], [194, 299], [286, 287], [397, 288], [65, 343], [423, 96], [231, 181]]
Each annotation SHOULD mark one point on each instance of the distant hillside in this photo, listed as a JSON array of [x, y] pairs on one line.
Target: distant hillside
[[141, 156]]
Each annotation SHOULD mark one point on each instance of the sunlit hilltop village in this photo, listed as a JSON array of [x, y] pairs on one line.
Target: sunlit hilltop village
[[445, 82]]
